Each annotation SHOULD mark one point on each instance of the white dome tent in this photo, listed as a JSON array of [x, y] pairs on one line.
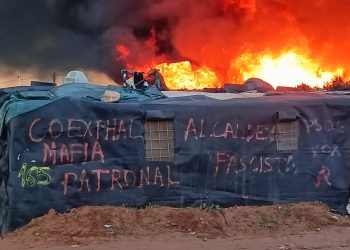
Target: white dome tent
[[75, 76]]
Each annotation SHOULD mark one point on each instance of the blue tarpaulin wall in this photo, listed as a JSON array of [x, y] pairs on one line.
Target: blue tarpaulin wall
[[72, 151]]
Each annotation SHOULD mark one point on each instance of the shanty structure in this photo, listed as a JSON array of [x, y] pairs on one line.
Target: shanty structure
[[62, 147]]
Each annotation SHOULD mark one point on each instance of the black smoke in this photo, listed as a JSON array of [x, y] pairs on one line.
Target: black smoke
[[60, 35]]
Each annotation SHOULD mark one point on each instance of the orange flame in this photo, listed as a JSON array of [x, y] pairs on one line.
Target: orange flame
[[123, 52], [233, 40], [182, 75], [287, 69]]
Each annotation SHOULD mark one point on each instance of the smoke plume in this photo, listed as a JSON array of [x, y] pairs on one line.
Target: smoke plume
[[59, 35]]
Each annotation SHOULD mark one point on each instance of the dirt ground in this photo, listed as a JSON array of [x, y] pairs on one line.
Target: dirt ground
[[282, 227]]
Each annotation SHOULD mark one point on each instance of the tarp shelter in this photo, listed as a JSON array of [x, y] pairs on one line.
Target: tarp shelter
[[61, 148]]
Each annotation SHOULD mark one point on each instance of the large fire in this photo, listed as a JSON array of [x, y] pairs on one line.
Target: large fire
[[183, 75], [287, 69], [229, 41]]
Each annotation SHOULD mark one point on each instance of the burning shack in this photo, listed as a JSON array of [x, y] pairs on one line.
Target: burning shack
[[62, 147]]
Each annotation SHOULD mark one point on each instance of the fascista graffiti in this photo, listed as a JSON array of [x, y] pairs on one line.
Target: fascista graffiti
[[229, 163]]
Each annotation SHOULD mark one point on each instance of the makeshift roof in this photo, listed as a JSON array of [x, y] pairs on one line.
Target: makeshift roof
[[18, 100]]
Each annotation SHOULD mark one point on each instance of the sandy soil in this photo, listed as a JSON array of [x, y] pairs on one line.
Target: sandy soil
[[299, 226]]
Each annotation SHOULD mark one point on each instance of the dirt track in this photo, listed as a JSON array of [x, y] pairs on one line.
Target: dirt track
[[300, 226]]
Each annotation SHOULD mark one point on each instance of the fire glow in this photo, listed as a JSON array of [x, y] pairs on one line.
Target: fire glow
[[288, 69], [228, 41], [182, 75]]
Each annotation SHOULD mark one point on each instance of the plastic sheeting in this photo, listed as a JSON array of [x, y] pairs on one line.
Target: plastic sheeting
[[74, 152], [18, 100]]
